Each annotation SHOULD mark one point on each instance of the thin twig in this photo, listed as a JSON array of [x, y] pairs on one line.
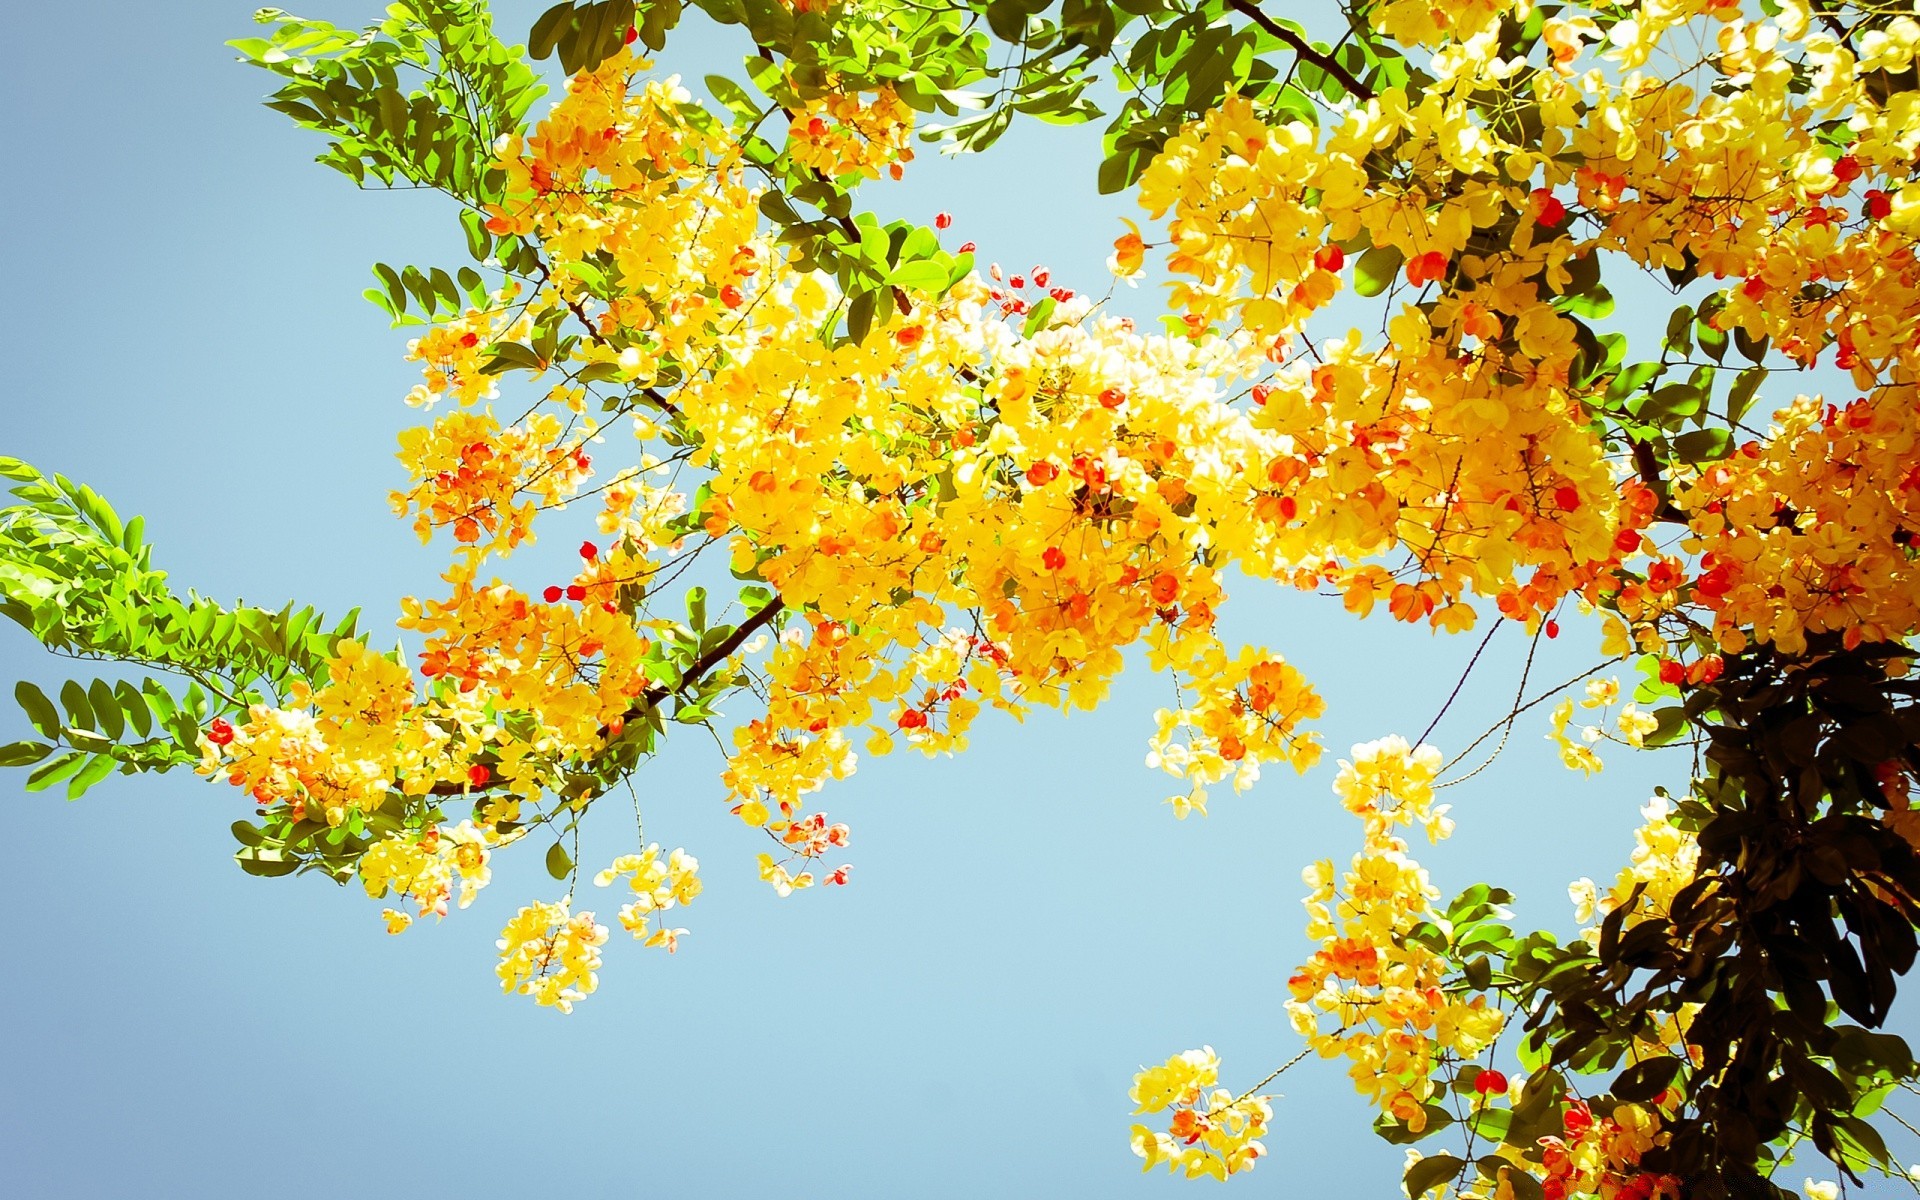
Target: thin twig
[[1325, 62]]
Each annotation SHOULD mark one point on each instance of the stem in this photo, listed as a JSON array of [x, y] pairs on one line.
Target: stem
[[1326, 62]]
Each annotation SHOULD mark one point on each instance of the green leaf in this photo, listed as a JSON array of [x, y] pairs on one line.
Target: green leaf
[[1491, 1123], [1119, 170], [23, 754], [558, 864], [1670, 404], [1632, 380], [106, 708], [1680, 330], [922, 275], [1595, 302], [1008, 20], [1740, 398], [56, 771], [134, 705], [1037, 318], [734, 97], [266, 861], [1645, 1080], [1479, 973], [1376, 270], [1429, 1173], [79, 711], [99, 768], [1672, 723], [1713, 342], [1703, 445], [39, 709]]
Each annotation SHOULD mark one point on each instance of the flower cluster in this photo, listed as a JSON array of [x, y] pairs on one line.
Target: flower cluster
[[657, 886], [1212, 1132], [841, 133], [551, 954], [1381, 988]]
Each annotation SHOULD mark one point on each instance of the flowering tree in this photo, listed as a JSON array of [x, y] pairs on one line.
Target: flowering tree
[[943, 494]]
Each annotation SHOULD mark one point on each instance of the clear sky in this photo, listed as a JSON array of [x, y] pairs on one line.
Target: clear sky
[[1027, 923]]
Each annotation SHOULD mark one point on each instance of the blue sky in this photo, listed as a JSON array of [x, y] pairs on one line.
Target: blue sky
[[1027, 924]]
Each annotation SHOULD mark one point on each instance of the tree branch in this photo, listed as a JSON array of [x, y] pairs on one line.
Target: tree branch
[[1301, 47], [1649, 468], [695, 671]]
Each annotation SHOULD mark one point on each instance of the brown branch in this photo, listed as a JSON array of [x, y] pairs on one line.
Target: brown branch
[[695, 671], [1649, 469], [1326, 62]]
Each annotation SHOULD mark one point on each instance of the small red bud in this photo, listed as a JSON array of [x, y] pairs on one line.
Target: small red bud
[[220, 732], [943, 220], [589, 551], [553, 593], [479, 775]]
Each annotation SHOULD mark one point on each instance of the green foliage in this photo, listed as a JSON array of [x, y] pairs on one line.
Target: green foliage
[[419, 99], [81, 581]]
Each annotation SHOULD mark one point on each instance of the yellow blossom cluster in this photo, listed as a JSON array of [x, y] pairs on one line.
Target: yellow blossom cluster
[[483, 481], [1600, 1154], [421, 868], [1457, 439], [657, 886], [456, 352], [840, 133], [1381, 989], [957, 514], [1212, 1133], [1631, 725], [1812, 531], [1665, 858], [552, 954]]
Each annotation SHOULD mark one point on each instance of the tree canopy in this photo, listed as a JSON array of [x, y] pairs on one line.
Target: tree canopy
[[942, 492]]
